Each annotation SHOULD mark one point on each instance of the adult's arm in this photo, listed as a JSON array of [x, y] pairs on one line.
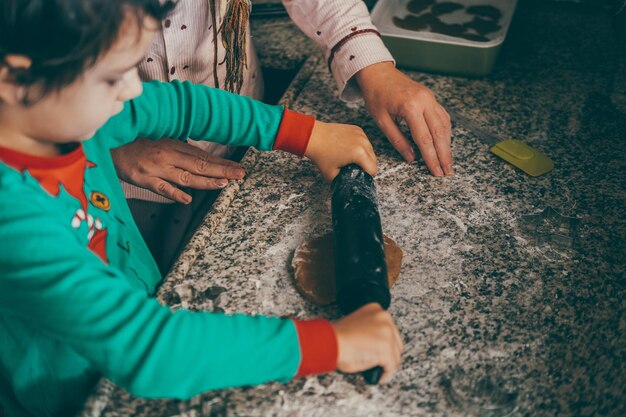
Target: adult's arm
[[363, 67]]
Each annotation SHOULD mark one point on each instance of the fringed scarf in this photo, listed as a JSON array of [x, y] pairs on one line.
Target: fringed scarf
[[233, 29]]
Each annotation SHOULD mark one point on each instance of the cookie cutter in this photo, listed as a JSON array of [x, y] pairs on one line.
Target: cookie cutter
[[549, 226], [189, 297], [478, 393]]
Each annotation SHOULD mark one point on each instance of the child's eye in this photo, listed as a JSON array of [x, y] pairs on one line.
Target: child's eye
[[113, 83]]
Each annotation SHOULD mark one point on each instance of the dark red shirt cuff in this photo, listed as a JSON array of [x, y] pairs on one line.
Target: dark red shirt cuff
[[294, 132], [318, 347]]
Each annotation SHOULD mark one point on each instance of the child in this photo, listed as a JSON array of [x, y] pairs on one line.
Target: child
[[74, 271]]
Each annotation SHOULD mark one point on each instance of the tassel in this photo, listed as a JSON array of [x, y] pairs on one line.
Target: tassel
[[233, 29], [216, 81]]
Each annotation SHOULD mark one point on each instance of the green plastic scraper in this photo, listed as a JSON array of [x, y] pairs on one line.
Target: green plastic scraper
[[516, 153]]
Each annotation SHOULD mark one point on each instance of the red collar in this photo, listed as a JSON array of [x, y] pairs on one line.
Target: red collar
[[51, 172]]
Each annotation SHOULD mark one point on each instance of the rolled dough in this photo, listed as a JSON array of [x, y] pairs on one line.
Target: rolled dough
[[314, 268]]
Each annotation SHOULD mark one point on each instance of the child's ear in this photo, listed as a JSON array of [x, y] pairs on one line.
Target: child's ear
[[10, 92]]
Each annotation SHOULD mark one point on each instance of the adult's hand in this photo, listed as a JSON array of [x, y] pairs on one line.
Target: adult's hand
[[162, 165], [390, 97]]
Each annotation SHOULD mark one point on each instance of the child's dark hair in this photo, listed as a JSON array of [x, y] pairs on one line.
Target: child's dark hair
[[63, 37]]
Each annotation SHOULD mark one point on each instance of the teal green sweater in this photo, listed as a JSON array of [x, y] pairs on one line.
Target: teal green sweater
[[76, 276]]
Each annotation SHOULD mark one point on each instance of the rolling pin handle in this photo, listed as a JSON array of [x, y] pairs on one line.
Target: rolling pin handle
[[372, 375]]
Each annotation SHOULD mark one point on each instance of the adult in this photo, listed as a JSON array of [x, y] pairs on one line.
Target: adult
[[208, 42]]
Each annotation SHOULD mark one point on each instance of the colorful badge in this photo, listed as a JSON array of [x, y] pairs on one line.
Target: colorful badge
[[100, 200]]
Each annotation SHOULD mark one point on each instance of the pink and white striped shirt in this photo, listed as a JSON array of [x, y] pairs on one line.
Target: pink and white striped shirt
[[185, 50]]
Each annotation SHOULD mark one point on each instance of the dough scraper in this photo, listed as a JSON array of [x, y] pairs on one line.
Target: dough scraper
[[515, 152]]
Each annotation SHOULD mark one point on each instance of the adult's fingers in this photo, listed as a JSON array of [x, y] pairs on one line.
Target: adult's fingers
[[199, 162], [219, 160], [167, 190], [447, 121], [185, 178], [440, 132], [396, 137], [424, 140], [208, 168], [188, 149], [444, 115]]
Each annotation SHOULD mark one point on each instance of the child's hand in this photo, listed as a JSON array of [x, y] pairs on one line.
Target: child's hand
[[366, 338], [334, 145]]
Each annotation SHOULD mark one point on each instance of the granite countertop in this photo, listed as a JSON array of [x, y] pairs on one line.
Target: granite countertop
[[280, 44], [496, 321]]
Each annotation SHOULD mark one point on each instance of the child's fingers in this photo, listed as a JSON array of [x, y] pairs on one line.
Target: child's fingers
[[368, 164], [390, 367], [386, 378], [366, 158], [330, 175], [399, 342], [389, 342], [393, 358], [396, 338], [370, 148]]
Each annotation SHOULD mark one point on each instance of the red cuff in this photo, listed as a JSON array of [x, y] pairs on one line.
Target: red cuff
[[294, 132], [318, 347]]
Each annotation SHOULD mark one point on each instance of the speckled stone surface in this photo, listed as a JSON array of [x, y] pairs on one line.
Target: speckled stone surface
[[495, 321], [280, 44]]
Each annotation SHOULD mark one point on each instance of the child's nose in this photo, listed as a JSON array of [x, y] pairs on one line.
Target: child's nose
[[132, 86]]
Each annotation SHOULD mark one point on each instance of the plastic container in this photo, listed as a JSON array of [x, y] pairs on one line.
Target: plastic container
[[461, 37]]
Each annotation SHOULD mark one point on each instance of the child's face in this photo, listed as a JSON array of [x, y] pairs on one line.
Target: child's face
[[78, 110]]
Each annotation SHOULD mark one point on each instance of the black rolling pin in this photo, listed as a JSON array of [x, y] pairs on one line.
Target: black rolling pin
[[360, 267]]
